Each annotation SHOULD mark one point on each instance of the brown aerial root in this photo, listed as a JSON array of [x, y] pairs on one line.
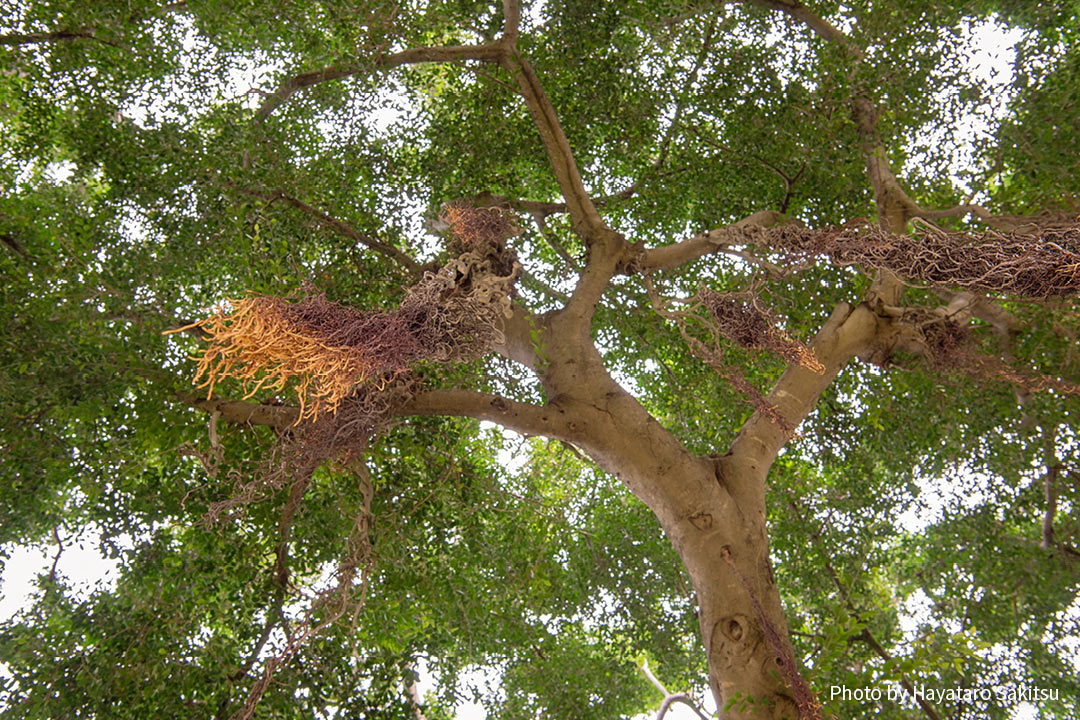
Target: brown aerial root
[[743, 319], [950, 347], [472, 225], [1040, 265], [324, 347]]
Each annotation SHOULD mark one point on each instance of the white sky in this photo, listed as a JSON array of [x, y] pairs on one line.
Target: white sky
[[86, 569]]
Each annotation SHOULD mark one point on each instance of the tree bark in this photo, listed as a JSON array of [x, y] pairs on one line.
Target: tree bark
[[712, 509]]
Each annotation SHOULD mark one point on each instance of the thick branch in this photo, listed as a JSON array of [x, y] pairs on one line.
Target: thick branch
[[705, 243], [511, 22], [241, 412], [587, 221], [490, 52], [1004, 322], [1020, 224], [525, 418]]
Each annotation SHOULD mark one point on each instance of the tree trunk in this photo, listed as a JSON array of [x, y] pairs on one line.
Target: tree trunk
[[713, 511]]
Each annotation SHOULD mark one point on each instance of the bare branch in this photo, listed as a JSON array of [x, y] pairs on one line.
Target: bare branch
[[705, 243], [240, 412], [525, 418], [678, 698], [491, 52], [1019, 224], [587, 221], [549, 421], [1050, 490]]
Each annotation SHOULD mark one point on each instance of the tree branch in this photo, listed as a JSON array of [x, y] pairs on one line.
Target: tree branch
[[704, 243], [240, 412], [1050, 491], [800, 13], [345, 229], [895, 206], [678, 698], [1020, 224], [525, 418], [587, 221], [18, 39], [490, 52]]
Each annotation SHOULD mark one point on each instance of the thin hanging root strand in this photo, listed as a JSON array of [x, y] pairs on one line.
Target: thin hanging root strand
[[750, 325], [950, 347], [803, 696]]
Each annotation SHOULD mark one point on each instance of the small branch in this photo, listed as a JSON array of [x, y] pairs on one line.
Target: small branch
[[679, 698], [1050, 491], [653, 679], [16, 40], [56, 558], [342, 228], [800, 13], [240, 412]]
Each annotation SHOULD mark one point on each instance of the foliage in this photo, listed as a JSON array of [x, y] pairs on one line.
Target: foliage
[[139, 190]]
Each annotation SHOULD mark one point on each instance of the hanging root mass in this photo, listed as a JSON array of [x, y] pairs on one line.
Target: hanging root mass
[[351, 369], [950, 347], [325, 349], [744, 320], [1042, 265]]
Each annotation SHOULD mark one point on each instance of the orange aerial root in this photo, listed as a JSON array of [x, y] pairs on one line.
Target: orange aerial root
[[324, 348]]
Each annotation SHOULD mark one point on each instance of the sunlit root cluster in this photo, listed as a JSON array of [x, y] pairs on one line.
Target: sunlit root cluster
[[1032, 265], [324, 350], [742, 319]]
